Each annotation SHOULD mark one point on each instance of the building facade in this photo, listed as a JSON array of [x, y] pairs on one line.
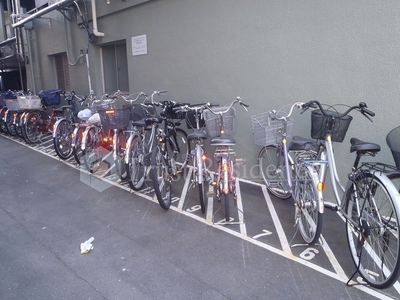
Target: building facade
[[269, 52]]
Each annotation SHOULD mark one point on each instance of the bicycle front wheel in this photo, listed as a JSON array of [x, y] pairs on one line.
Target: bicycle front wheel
[[272, 170], [62, 139], [161, 178], [307, 205], [373, 231]]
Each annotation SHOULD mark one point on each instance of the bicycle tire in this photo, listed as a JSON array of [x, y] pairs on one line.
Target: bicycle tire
[[77, 148], [120, 147], [136, 166], [274, 175], [3, 127], [199, 176], [227, 211], [202, 197], [92, 154], [307, 205], [31, 129], [180, 148], [62, 139], [378, 257], [17, 124], [161, 178], [9, 122]]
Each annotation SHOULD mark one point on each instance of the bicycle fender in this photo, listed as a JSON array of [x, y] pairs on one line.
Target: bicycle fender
[[390, 186], [56, 125], [318, 194], [126, 158]]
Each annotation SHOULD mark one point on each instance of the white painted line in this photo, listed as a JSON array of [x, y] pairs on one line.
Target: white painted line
[[279, 229], [242, 225], [185, 188]]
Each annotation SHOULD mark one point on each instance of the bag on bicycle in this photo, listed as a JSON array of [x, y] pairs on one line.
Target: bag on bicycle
[[50, 97]]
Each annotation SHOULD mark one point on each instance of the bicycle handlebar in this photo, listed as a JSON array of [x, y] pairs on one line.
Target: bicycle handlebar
[[273, 114], [228, 107], [361, 107]]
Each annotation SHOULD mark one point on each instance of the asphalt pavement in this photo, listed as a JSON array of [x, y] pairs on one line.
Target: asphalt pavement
[[140, 251]]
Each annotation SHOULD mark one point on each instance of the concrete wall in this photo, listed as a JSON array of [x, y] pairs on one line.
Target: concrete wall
[[270, 53]]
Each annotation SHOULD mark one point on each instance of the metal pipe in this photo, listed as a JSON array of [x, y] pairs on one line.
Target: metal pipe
[[94, 16], [42, 12]]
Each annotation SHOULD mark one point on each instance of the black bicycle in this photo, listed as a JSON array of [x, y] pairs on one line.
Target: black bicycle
[[170, 156]]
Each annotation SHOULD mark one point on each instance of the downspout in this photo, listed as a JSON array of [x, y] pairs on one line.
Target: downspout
[[94, 16], [29, 43]]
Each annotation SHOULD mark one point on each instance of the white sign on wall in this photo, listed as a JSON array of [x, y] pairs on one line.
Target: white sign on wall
[[139, 45]]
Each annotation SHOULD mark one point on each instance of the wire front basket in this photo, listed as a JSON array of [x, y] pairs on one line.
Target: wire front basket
[[270, 132], [115, 118], [213, 121]]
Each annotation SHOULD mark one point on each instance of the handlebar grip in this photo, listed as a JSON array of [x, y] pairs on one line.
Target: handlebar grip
[[244, 104], [309, 104], [161, 92], [363, 107]]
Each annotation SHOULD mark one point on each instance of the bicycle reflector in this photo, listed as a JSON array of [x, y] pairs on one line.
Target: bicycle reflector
[[320, 186], [110, 112]]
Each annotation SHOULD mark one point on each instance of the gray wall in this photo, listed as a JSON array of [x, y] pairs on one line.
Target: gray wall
[[269, 52]]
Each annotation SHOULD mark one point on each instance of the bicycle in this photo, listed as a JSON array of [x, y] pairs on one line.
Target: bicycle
[[38, 122], [283, 169], [220, 125], [64, 127], [96, 140], [169, 157], [194, 120], [145, 122], [367, 203]]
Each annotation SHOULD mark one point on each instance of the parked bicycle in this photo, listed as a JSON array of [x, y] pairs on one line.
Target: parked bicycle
[[169, 157], [220, 124], [283, 169], [367, 202], [96, 140], [64, 127], [201, 177], [145, 122], [37, 123]]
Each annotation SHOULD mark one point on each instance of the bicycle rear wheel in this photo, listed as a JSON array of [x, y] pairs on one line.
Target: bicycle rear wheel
[[161, 178], [120, 147], [136, 166], [180, 148], [32, 128], [9, 121], [93, 152], [272, 170], [77, 148], [62, 139], [307, 201], [373, 231]]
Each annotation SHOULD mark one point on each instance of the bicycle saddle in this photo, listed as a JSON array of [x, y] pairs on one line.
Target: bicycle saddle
[[359, 145], [222, 141], [141, 122], [153, 120], [300, 143], [196, 134], [65, 107]]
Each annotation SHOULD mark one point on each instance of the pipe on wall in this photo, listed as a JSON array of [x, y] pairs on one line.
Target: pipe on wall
[[94, 16]]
